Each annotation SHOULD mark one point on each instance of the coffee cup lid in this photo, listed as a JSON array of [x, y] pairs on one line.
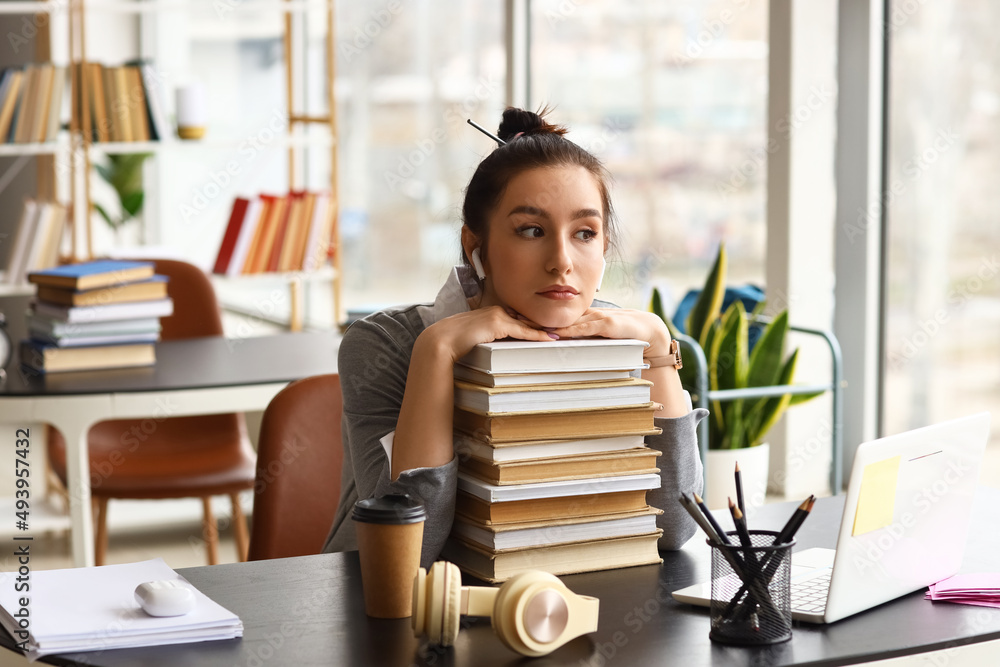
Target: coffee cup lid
[[391, 509]]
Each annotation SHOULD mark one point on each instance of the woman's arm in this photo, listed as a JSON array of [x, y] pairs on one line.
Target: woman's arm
[[424, 429]]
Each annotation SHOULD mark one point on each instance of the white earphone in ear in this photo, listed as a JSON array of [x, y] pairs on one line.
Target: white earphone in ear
[[477, 262], [533, 613], [600, 281]]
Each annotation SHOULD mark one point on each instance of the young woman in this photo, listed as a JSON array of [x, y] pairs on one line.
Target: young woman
[[538, 222]]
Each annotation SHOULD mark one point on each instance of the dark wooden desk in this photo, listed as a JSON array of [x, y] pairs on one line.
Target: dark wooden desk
[[191, 377], [309, 611]]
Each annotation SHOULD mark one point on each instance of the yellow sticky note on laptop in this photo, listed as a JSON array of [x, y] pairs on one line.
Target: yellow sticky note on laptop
[[877, 498]]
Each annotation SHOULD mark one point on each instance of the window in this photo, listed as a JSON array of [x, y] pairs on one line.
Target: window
[[943, 307], [673, 98]]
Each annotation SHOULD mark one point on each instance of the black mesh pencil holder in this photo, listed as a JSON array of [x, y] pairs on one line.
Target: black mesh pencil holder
[[751, 601]]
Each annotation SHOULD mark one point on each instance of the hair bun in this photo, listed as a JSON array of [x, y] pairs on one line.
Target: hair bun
[[526, 122]]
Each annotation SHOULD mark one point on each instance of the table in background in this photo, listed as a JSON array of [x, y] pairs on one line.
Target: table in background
[[197, 376], [309, 611]]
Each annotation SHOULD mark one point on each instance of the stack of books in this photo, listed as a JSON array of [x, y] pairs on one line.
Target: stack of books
[[270, 233], [94, 315], [553, 469]]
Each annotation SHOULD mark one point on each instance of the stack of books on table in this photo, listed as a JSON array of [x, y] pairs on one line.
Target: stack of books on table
[[553, 469], [95, 315]]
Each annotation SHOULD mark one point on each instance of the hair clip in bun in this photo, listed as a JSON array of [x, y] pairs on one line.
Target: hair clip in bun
[[519, 134]]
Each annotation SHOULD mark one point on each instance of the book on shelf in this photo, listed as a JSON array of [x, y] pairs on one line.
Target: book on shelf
[[21, 130], [46, 76], [248, 228], [10, 91], [588, 466], [36, 240], [559, 559], [273, 259], [467, 445], [158, 128], [542, 509], [105, 312], [565, 396], [557, 425], [121, 108], [89, 275], [43, 326], [486, 379], [499, 537], [572, 354], [260, 247], [322, 229], [48, 358], [143, 290], [236, 216], [283, 257], [55, 105], [136, 99], [494, 493]]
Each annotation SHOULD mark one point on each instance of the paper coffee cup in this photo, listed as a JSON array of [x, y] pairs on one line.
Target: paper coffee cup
[[390, 534]]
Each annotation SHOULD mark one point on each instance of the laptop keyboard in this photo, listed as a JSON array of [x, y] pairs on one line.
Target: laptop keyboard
[[809, 596]]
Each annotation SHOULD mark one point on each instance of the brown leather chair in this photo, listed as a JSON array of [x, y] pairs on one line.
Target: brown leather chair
[[299, 460], [183, 457]]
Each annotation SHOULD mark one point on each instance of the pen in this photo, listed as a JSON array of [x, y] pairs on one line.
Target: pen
[[739, 489]]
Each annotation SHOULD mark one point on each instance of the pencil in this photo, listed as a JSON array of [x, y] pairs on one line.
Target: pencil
[[699, 519], [795, 521], [739, 489], [711, 519]]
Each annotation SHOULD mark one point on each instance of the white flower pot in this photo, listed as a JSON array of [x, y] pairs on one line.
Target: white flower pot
[[720, 484]]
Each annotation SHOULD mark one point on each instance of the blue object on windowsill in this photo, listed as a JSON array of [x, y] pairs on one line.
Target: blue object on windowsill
[[750, 295]]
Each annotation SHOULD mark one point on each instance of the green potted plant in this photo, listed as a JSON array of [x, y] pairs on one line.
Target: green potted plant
[[124, 174], [737, 428]]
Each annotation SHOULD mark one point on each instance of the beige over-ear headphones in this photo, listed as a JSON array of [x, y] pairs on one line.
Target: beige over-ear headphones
[[533, 613]]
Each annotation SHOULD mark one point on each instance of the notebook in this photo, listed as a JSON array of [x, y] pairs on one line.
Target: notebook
[[906, 519]]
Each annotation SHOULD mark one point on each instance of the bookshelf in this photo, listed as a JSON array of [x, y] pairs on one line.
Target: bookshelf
[[65, 166]]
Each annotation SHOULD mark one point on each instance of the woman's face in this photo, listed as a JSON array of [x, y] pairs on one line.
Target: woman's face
[[546, 245]]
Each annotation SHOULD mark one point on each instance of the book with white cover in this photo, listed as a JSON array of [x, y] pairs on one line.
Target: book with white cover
[[493, 493], [571, 354], [45, 326], [612, 394], [540, 533], [94, 608], [110, 311], [488, 379], [547, 449]]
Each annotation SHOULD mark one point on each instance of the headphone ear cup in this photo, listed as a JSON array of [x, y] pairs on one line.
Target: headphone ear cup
[[443, 591], [510, 606]]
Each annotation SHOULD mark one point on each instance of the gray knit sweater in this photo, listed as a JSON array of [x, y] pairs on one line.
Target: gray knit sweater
[[373, 362]]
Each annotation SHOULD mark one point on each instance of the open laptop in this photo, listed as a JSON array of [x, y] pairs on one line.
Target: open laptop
[[937, 477]]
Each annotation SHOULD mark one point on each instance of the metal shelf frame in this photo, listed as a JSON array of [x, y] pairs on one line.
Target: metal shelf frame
[[695, 355]]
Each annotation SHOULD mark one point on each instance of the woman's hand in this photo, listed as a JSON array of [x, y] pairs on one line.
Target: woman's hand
[[625, 323], [621, 323], [456, 335]]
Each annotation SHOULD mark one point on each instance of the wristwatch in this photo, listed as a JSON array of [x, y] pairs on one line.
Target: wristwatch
[[672, 358]]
